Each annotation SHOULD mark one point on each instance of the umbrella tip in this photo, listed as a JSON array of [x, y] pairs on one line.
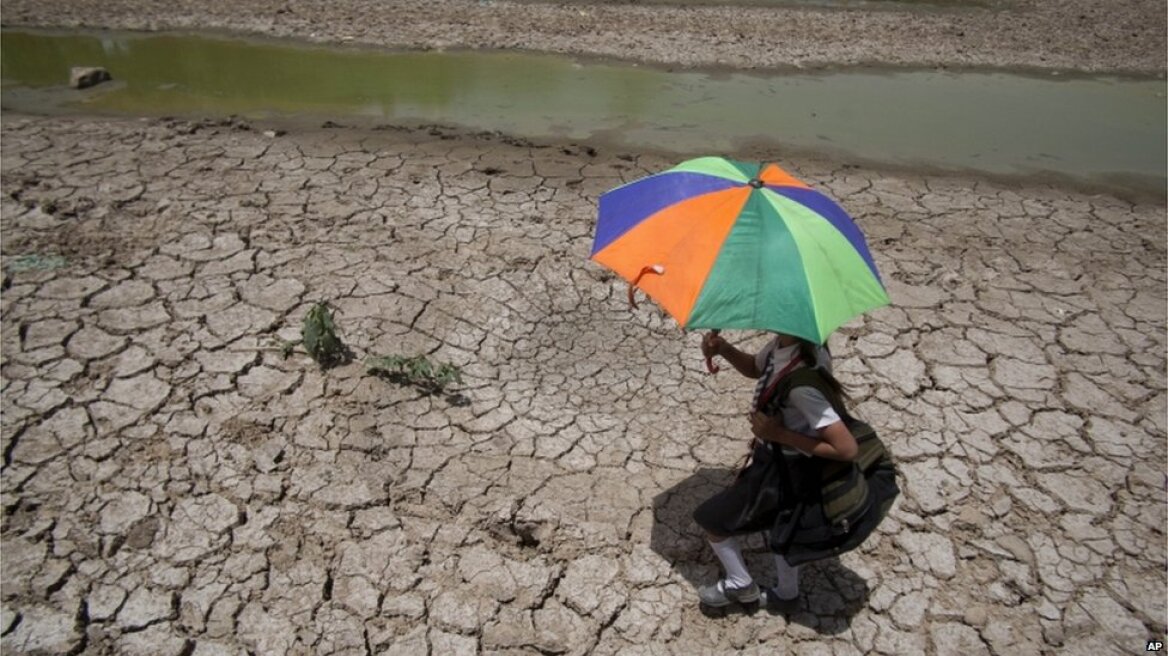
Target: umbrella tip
[[756, 183]]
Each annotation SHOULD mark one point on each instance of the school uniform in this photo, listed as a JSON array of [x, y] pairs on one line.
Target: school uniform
[[763, 500], [744, 508]]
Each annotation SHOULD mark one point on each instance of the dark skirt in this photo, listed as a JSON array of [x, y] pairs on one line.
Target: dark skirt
[[795, 524], [752, 502]]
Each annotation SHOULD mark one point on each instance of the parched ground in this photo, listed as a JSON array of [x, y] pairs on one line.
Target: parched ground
[[173, 485]]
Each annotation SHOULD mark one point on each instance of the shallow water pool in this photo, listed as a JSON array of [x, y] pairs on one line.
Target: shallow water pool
[[1091, 129]]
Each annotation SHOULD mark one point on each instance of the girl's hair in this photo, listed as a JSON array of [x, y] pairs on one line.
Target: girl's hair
[[808, 351]]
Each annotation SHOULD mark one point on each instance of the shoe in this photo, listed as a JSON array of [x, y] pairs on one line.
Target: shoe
[[718, 595]]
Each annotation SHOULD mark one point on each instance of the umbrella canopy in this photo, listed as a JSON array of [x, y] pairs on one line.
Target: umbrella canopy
[[725, 244]]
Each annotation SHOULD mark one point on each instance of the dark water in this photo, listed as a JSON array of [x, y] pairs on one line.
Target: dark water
[[1087, 129]]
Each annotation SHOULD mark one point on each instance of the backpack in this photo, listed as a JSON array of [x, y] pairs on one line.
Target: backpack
[[833, 498]]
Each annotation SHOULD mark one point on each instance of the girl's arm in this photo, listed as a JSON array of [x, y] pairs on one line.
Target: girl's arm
[[713, 344], [835, 441], [742, 361]]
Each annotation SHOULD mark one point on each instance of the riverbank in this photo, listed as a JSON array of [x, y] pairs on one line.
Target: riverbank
[[1128, 36], [997, 125]]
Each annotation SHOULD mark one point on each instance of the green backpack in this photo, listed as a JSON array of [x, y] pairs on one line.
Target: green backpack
[[843, 487]]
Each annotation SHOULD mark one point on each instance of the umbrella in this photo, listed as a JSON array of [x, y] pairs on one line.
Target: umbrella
[[725, 244]]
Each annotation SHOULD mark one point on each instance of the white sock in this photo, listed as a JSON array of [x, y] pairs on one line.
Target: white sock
[[788, 579], [730, 554]]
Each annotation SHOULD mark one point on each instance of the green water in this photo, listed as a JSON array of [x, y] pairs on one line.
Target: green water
[[1088, 129]]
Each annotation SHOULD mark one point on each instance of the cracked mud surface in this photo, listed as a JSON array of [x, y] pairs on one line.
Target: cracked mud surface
[[173, 485]]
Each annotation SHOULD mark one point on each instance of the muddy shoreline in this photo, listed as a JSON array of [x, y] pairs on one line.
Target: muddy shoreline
[[1128, 37]]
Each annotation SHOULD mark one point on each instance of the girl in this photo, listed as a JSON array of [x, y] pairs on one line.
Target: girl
[[805, 425]]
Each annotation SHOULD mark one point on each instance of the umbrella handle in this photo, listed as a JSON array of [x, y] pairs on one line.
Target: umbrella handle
[[710, 366]]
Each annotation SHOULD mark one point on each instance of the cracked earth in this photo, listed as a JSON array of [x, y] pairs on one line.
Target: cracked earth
[[172, 484]]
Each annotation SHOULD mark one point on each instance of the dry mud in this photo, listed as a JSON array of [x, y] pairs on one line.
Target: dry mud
[[172, 484]]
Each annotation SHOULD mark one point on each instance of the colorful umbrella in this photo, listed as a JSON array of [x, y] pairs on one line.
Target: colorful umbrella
[[725, 244]]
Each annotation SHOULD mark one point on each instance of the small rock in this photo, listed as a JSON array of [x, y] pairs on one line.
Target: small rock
[[83, 77], [972, 516], [1017, 547]]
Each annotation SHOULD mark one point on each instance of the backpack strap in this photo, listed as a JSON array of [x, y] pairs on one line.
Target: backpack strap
[[809, 377]]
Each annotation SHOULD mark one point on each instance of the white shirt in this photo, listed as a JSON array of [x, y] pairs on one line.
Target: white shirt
[[806, 410]]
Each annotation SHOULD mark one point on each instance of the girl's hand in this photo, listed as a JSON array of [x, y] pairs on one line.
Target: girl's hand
[[712, 344], [764, 427]]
